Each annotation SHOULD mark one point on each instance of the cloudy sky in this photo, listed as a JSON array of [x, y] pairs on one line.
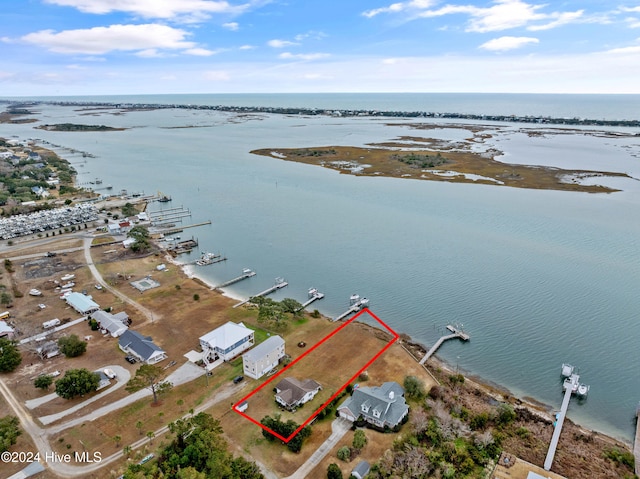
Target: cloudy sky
[[78, 47]]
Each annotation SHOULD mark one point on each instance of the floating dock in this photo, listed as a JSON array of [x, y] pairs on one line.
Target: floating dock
[[455, 333], [314, 294], [279, 284], [570, 385], [246, 273], [356, 305]]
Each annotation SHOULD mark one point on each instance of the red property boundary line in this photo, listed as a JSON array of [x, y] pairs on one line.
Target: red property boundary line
[[317, 411]]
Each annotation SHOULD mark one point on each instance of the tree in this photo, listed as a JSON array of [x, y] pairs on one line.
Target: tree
[[141, 235], [43, 381], [139, 425], [334, 472], [414, 387], [359, 439], [291, 306], [9, 432], [77, 382], [126, 451], [5, 298], [117, 438], [72, 346], [344, 453], [149, 376], [151, 435], [10, 357]]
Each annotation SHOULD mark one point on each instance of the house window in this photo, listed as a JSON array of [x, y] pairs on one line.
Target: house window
[[365, 408], [376, 413]]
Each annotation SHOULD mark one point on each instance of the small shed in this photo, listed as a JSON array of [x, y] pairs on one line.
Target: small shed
[[361, 470]]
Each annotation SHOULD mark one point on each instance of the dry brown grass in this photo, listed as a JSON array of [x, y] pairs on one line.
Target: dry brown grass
[[382, 163]]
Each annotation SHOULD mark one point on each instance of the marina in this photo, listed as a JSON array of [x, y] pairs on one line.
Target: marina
[[246, 273], [356, 304], [455, 333], [279, 284]]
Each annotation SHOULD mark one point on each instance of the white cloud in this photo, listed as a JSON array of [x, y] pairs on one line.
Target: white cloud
[[168, 9], [303, 56], [507, 43], [101, 40], [502, 15], [281, 43], [149, 53], [247, 47], [200, 52], [233, 26], [216, 75]]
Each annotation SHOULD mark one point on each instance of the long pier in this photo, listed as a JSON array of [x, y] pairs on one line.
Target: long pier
[[280, 283], [636, 444], [560, 421], [356, 305], [246, 273], [455, 333], [179, 229]]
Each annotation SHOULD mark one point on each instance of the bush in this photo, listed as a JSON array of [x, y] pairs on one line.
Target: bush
[[624, 458], [414, 387], [43, 381], [334, 472], [344, 454], [72, 346]]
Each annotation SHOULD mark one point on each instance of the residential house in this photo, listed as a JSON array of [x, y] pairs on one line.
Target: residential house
[[291, 392], [82, 303], [40, 191], [226, 342], [263, 358], [382, 406], [142, 347], [115, 324]]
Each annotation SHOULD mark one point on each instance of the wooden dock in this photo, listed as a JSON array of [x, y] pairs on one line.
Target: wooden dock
[[280, 283], [455, 333], [551, 452], [179, 229], [247, 273], [356, 306], [314, 295], [636, 444]]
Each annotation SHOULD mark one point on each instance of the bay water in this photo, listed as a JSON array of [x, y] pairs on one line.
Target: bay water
[[537, 278]]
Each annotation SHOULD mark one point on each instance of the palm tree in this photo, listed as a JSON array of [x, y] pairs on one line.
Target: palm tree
[[139, 427], [117, 438], [126, 451], [151, 435]]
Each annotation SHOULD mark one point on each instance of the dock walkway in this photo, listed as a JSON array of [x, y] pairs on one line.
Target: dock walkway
[[247, 273], [558, 428], [314, 295], [280, 283], [455, 333]]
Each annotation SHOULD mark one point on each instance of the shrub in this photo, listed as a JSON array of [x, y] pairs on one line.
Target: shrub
[[344, 453]]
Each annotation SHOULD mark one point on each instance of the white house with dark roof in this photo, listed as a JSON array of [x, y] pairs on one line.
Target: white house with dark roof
[[226, 342], [142, 347], [263, 358], [379, 405], [115, 324], [82, 303], [291, 392]]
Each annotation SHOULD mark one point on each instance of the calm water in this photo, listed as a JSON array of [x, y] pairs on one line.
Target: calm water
[[537, 277]]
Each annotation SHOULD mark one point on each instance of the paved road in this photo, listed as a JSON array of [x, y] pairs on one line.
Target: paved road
[[339, 428]]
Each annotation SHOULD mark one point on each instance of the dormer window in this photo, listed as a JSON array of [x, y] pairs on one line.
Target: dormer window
[[376, 413], [365, 408]]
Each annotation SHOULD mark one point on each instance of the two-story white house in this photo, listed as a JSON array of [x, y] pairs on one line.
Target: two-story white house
[[226, 342], [263, 358]]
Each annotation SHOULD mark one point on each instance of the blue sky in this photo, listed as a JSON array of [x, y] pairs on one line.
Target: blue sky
[[83, 47]]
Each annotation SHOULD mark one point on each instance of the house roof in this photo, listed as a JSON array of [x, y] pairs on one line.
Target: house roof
[[362, 469], [114, 323], [143, 346], [226, 335], [81, 302], [264, 348], [293, 390], [5, 328], [386, 399]]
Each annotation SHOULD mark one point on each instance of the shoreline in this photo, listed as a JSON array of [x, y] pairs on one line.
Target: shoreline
[[497, 391]]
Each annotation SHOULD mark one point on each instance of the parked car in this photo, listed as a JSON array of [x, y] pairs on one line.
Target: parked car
[[237, 379], [109, 373], [50, 254], [130, 359]]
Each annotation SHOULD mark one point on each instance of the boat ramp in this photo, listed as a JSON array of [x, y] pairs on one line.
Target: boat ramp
[[246, 273], [456, 332], [356, 304], [279, 284]]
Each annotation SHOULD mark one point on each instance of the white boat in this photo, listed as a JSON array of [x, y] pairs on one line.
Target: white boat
[[364, 303], [35, 292], [583, 390], [68, 277], [354, 299], [567, 370], [71, 284], [247, 271], [312, 292]]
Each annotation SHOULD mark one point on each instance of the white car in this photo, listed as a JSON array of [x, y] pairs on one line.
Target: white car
[[109, 373]]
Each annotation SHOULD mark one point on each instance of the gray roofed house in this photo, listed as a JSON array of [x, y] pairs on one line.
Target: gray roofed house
[[142, 347], [115, 324], [379, 405], [290, 392], [263, 358], [361, 470]]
